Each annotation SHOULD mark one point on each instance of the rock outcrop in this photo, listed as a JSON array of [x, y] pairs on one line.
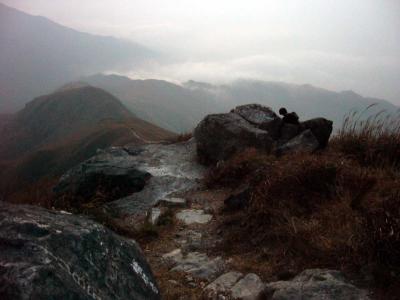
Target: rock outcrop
[[219, 136], [110, 172], [54, 255], [315, 284]]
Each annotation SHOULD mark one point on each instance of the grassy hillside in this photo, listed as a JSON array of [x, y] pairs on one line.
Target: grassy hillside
[[55, 132], [338, 209]]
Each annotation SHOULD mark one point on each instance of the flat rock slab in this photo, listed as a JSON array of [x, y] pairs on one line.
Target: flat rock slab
[[189, 240], [316, 284], [172, 202], [248, 288], [197, 264], [223, 284], [192, 216]]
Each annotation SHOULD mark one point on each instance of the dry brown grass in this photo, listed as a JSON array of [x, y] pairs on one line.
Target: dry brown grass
[[337, 209], [373, 141]]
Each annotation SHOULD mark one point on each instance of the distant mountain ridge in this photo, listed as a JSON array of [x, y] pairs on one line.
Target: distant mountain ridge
[[57, 131], [180, 107], [38, 55]]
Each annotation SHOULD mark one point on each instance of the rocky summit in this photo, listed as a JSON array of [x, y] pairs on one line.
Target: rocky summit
[[219, 136], [56, 255]]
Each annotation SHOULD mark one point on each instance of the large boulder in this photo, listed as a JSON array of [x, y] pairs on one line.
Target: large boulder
[[219, 136], [110, 173], [53, 255], [321, 129], [315, 284]]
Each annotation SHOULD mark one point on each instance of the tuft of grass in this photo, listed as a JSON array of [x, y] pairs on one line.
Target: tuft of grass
[[374, 141]]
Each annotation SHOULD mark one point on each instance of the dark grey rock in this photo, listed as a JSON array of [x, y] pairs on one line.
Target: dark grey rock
[[111, 172], [304, 142], [221, 135], [315, 284], [288, 132], [255, 113], [249, 287], [321, 128], [53, 255]]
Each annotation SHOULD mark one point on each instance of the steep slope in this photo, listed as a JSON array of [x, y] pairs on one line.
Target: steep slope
[[49, 119], [54, 132], [37, 55]]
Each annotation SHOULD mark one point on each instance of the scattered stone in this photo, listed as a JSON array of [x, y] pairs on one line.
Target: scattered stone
[[197, 264], [50, 255], [305, 142], [219, 136], [249, 287], [172, 202], [315, 284], [223, 284], [189, 240], [191, 216]]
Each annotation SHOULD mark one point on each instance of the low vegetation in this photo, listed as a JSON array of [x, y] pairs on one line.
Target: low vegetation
[[339, 208]]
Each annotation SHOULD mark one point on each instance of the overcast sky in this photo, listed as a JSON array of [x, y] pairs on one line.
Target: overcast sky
[[338, 45]]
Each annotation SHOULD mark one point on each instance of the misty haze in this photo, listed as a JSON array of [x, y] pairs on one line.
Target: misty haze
[[199, 149]]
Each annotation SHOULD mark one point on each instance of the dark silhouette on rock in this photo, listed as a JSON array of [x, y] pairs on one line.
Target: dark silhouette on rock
[[290, 118], [54, 255], [220, 136]]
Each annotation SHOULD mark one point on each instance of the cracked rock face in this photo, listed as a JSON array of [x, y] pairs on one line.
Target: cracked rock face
[[53, 255]]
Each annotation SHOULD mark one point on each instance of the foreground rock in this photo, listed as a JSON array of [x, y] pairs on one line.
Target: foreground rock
[[315, 284], [53, 255], [220, 136], [111, 173]]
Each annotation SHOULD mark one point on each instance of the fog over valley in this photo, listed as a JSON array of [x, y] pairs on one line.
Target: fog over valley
[[336, 45]]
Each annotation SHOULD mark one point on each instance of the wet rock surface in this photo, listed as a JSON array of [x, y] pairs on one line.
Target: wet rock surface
[[53, 255], [316, 284], [173, 168], [219, 136]]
